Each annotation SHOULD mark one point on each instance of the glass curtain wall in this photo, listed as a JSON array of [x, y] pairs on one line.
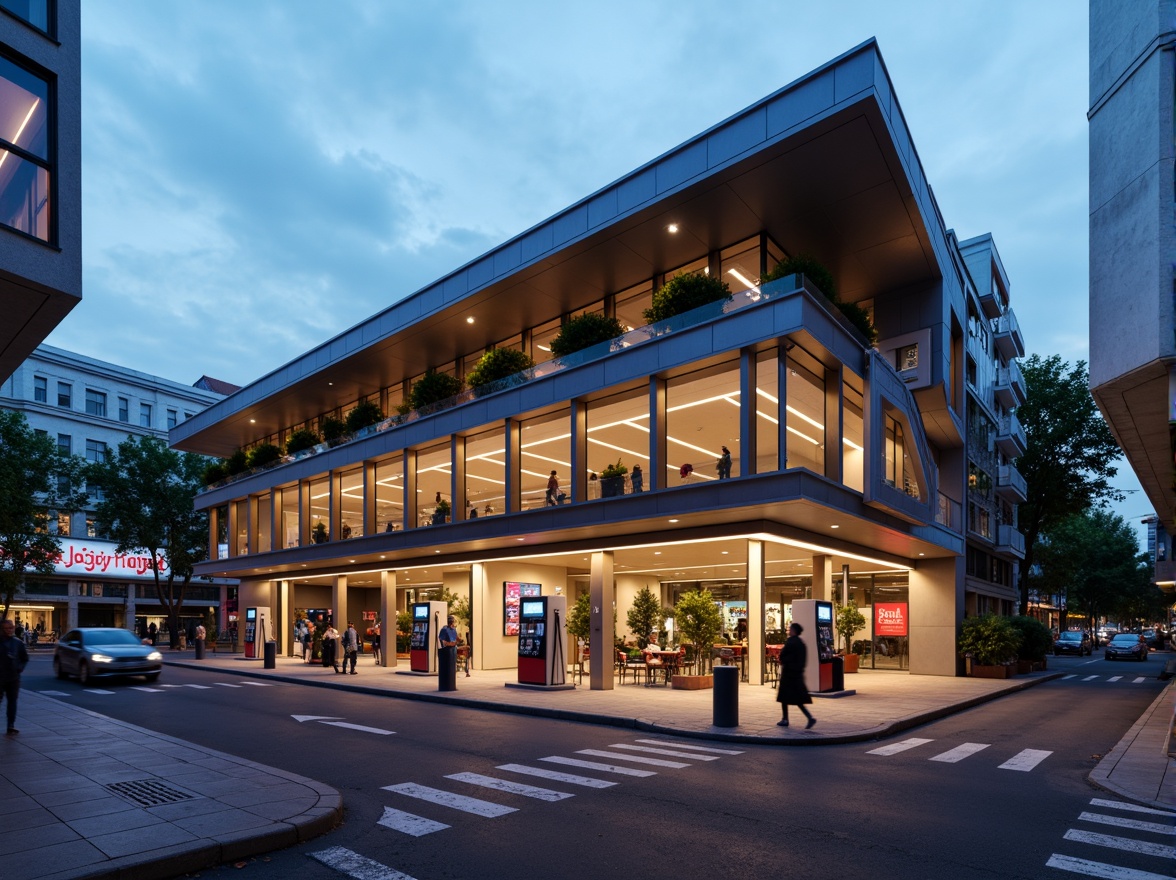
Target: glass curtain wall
[[632, 303], [767, 412], [320, 509], [618, 432], [546, 443], [853, 439], [805, 412], [390, 494], [242, 531], [351, 503], [264, 522], [702, 419], [288, 516], [434, 485], [485, 473]]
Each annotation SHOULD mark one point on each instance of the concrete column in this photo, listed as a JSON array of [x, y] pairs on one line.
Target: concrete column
[[782, 410], [339, 602], [482, 626], [823, 578], [387, 618], [755, 612], [459, 504], [130, 606], [602, 636], [411, 520], [283, 618], [747, 418], [659, 464], [936, 597], [71, 612], [370, 516], [578, 490], [834, 404], [514, 466]]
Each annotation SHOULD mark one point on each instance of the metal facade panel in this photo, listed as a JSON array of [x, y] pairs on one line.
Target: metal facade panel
[[810, 98], [742, 134], [602, 208], [681, 166]]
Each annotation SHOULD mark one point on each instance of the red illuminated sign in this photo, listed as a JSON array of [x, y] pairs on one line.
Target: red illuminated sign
[[890, 619]]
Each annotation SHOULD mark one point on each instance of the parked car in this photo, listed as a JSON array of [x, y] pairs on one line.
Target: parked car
[[1073, 642], [1152, 638], [1104, 635], [1129, 645], [93, 652]]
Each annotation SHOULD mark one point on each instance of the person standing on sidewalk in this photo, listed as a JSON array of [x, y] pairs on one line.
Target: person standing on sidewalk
[[331, 647], [350, 647], [448, 638], [792, 690], [376, 643], [14, 657]]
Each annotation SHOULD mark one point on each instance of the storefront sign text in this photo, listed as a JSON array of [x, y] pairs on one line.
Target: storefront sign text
[[890, 619]]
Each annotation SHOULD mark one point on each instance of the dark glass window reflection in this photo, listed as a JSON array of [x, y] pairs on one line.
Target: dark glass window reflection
[[35, 12], [24, 151]]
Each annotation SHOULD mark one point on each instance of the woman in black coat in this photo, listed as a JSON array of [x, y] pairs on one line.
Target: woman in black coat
[[792, 690]]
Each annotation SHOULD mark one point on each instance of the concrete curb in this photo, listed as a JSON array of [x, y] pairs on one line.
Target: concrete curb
[[1154, 760]]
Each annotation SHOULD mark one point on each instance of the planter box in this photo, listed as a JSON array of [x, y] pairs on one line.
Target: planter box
[[612, 487], [979, 671], [692, 682], [850, 662]]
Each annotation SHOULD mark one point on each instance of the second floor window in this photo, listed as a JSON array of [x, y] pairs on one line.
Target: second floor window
[[64, 444], [124, 410], [35, 12], [95, 451], [64, 394], [25, 139], [145, 415], [172, 418], [40, 389], [95, 403]]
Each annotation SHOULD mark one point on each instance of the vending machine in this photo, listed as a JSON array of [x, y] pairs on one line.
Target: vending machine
[[543, 640], [258, 628], [816, 617], [427, 620]]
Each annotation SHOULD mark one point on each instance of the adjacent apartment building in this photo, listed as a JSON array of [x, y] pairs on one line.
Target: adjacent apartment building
[[1133, 247], [883, 474], [40, 172], [88, 407]]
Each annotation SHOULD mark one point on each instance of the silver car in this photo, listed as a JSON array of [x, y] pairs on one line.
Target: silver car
[[93, 652]]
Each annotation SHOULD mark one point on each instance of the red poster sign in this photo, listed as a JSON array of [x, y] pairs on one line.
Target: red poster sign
[[890, 619]]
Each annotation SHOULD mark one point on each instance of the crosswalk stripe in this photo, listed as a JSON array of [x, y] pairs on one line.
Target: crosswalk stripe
[[1138, 680], [1130, 844], [407, 823], [54, 693], [1025, 760], [448, 799], [98, 691], [1099, 869], [354, 865], [225, 684], [1130, 808], [636, 759], [895, 748], [171, 685], [198, 687], [959, 753], [1115, 678], [147, 689], [544, 773], [531, 791], [671, 753], [662, 742], [1090, 678], [258, 684], [1068, 677], [1133, 824], [596, 765]]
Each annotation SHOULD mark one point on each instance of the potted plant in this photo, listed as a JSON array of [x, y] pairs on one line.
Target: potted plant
[[215, 472], [497, 363], [364, 413], [1036, 643], [811, 268], [333, 430], [440, 512], [685, 292], [646, 616], [612, 480], [698, 622], [432, 388], [237, 463], [263, 454], [403, 633], [990, 642], [585, 331], [848, 621], [301, 440]]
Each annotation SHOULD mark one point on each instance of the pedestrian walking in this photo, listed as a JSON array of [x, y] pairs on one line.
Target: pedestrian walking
[[724, 464], [153, 633], [552, 489], [14, 657], [376, 643], [792, 690], [350, 647]]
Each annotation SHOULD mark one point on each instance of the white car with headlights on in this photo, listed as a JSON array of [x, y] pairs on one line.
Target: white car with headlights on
[[98, 652]]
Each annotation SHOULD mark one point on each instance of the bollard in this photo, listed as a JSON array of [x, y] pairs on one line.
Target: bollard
[[271, 655], [200, 649], [447, 669], [726, 696]]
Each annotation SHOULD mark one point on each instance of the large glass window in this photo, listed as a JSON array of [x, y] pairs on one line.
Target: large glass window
[[95, 451], [853, 437], [264, 519], [618, 431], [351, 504], [390, 494], [485, 473], [173, 418], [124, 410], [632, 303], [145, 415], [541, 337], [95, 403], [35, 12], [805, 412], [64, 395], [64, 444], [434, 474], [241, 538], [40, 389], [702, 424], [320, 510], [24, 151], [741, 265], [767, 412], [287, 500], [546, 444]]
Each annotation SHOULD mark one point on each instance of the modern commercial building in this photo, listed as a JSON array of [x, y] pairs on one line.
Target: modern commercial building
[[882, 473], [40, 172], [89, 407], [1133, 245]]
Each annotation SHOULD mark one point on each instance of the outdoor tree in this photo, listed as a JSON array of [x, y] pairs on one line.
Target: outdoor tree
[[36, 483], [698, 622], [148, 495], [1091, 557], [1141, 602], [646, 615], [1067, 461]]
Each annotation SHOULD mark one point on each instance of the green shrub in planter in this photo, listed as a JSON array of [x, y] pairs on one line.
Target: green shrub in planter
[[302, 439], [237, 463], [215, 472], [366, 412], [333, 429], [263, 454], [433, 387], [1036, 639], [991, 639], [682, 293], [815, 271], [585, 331], [498, 363]]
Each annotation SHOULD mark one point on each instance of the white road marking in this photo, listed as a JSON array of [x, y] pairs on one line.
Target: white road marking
[[1115, 678], [1138, 680], [671, 753], [53, 693], [1133, 824], [449, 799], [377, 730], [544, 773], [258, 684], [198, 687], [98, 691], [636, 759], [171, 685], [417, 826], [1025, 760], [225, 684], [658, 742], [147, 689], [352, 864], [1130, 844], [596, 765], [959, 753], [1098, 869], [1067, 677], [1090, 678], [895, 748], [531, 791], [1130, 808]]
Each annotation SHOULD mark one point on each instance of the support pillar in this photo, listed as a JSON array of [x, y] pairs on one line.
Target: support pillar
[[823, 578], [756, 640], [387, 615], [602, 636]]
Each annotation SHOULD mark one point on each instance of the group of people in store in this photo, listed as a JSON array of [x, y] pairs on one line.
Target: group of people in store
[[338, 650]]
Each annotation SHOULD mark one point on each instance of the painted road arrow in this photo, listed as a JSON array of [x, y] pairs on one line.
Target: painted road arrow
[[335, 722]]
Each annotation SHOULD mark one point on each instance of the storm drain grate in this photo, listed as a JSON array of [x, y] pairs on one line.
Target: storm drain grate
[[148, 792]]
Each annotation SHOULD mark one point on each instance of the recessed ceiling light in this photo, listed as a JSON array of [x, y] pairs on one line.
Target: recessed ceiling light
[[922, 554], [834, 526], [673, 520], [351, 560], [657, 553], [672, 228], [436, 551], [725, 552], [253, 421], [470, 320], [330, 383]]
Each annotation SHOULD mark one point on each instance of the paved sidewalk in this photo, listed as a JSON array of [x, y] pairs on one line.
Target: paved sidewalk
[[64, 816]]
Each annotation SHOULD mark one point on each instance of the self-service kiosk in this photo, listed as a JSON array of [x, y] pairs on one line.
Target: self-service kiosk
[[258, 628], [427, 620], [543, 640], [816, 617]]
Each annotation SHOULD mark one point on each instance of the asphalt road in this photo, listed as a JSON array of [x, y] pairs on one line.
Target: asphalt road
[[990, 793]]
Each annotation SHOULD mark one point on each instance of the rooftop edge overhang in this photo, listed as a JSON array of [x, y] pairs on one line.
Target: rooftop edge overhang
[[825, 165]]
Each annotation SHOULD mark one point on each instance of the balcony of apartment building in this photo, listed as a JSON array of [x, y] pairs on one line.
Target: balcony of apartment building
[[1165, 571], [1010, 391], [993, 301], [1006, 333], [1010, 485], [1010, 540], [1010, 436]]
